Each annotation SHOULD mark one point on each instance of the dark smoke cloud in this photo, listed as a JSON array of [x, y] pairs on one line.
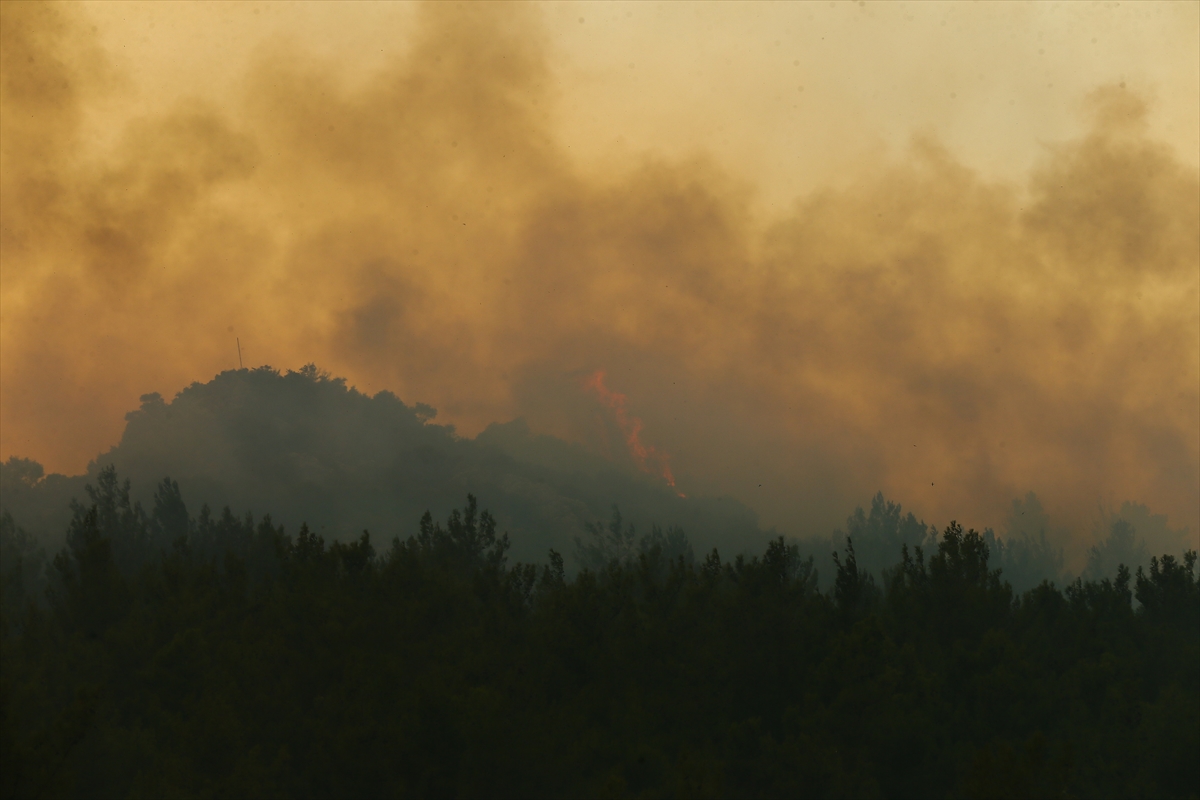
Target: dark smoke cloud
[[952, 341]]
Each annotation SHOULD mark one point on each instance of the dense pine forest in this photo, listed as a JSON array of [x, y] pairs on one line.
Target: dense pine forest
[[167, 654]]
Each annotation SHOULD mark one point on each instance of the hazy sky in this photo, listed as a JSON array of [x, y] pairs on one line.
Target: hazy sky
[[946, 250]]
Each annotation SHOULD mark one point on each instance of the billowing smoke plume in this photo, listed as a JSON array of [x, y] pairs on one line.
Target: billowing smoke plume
[[950, 341]]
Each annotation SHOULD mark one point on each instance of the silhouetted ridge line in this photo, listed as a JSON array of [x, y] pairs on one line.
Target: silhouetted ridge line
[[319, 451]]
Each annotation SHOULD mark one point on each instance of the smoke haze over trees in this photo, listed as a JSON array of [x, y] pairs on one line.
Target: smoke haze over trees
[[722, 318], [319, 452], [915, 326]]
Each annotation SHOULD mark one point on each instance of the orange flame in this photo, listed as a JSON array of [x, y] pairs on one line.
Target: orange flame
[[631, 427]]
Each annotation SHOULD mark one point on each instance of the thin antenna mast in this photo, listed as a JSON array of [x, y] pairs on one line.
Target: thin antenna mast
[[239, 344]]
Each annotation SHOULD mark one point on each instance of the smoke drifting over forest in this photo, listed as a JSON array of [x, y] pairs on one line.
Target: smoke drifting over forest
[[951, 340]]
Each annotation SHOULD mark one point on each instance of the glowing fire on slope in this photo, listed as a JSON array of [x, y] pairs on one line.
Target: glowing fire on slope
[[631, 427]]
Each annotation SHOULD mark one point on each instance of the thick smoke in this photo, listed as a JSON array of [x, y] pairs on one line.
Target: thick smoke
[[950, 341]]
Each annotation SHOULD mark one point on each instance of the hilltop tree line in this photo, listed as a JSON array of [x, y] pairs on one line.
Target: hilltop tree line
[[161, 653], [311, 449]]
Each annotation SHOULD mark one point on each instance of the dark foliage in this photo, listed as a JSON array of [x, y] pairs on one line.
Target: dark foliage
[[219, 656]]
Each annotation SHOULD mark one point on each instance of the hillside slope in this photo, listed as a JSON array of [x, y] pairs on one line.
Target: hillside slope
[[305, 447]]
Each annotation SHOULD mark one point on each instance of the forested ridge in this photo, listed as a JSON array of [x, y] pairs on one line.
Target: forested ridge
[[310, 449], [165, 654]]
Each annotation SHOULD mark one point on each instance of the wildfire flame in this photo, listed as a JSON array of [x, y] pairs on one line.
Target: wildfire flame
[[646, 456]]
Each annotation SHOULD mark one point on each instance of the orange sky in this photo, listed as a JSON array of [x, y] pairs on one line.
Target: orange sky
[[949, 250]]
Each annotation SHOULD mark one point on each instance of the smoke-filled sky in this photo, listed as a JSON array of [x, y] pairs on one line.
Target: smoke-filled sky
[[948, 251]]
